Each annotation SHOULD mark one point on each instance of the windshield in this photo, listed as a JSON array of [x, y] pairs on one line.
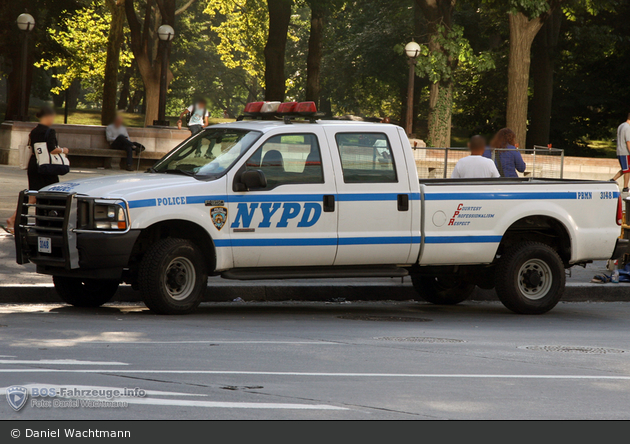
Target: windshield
[[210, 153]]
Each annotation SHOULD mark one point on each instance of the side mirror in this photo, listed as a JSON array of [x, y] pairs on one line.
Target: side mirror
[[254, 179]]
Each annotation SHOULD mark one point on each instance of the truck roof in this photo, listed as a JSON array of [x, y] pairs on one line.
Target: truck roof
[[267, 125]]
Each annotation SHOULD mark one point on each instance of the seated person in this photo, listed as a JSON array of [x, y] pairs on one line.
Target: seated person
[[475, 166], [118, 139]]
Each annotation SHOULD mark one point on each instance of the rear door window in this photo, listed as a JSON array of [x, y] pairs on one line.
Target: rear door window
[[366, 158]]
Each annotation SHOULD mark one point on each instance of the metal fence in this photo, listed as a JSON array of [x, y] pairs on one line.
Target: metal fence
[[540, 161]]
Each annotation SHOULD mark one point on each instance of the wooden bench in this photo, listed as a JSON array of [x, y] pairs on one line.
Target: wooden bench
[[108, 154]]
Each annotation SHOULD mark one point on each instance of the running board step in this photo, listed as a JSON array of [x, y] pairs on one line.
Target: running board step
[[248, 274]]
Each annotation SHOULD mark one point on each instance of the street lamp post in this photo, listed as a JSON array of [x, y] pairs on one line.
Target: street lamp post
[[25, 23], [166, 33], [412, 49]]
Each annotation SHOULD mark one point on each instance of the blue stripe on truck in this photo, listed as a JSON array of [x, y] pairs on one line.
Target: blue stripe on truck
[[562, 195], [462, 239], [327, 241], [357, 197]]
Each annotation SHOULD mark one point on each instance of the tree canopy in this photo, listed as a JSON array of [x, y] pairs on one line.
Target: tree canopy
[[473, 74]]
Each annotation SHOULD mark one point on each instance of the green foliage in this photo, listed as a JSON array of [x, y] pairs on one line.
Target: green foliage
[[531, 8], [361, 72], [242, 31], [83, 37], [453, 51]]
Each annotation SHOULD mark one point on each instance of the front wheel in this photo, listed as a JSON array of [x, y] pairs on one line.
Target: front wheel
[[442, 290], [173, 276], [85, 292], [530, 278]]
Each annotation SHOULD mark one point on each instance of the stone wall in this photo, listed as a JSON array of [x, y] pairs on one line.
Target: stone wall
[[15, 134]]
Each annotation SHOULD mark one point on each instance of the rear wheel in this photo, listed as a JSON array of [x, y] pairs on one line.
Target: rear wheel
[[530, 278], [442, 290], [85, 292], [173, 276]]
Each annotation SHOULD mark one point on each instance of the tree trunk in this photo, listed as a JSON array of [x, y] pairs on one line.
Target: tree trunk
[[74, 91], [125, 89], [522, 33], [112, 62], [14, 84], [440, 114], [279, 19], [147, 51], [544, 51], [151, 98], [314, 60], [439, 13], [135, 100]]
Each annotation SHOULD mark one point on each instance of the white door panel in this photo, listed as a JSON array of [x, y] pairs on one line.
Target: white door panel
[[286, 225], [372, 229]]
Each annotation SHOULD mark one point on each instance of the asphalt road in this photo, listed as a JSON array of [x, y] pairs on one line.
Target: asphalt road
[[325, 361]]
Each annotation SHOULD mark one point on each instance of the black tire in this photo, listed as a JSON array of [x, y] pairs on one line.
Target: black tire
[[442, 290], [530, 278], [173, 277], [85, 292]]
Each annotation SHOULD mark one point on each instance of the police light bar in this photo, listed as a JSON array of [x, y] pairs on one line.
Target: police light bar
[[287, 110]]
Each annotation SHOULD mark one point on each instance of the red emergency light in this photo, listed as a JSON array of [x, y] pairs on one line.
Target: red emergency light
[[306, 108], [253, 108], [287, 108]]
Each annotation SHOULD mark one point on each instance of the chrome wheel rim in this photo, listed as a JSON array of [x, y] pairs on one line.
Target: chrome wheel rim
[[535, 279], [179, 279]]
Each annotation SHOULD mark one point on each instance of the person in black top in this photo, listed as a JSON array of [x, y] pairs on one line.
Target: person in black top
[[41, 133]]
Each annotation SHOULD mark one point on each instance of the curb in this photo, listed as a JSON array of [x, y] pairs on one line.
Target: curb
[[300, 292]]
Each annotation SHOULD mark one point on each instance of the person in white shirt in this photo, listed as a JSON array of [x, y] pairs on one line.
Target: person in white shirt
[[623, 153], [118, 138], [198, 117], [475, 166]]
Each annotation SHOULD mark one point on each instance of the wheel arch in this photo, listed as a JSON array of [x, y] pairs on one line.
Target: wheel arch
[[177, 228], [539, 228]]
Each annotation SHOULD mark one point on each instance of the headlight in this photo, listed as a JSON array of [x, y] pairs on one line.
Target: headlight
[[109, 217]]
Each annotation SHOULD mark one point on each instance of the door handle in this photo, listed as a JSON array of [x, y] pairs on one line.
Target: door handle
[[329, 203], [403, 202]]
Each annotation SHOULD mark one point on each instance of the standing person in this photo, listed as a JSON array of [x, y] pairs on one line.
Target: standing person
[[623, 153], [475, 166], [42, 133], [508, 159], [118, 138], [198, 117]]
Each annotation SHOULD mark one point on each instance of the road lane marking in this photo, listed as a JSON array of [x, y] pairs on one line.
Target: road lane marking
[[59, 362], [314, 374], [231, 405], [182, 402], [222, 342], [30, 386], [77, 342]]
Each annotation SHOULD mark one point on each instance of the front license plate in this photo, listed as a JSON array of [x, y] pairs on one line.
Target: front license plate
[[44, 245]]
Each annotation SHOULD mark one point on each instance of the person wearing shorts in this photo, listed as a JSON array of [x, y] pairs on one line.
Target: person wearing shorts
[[623, 153]]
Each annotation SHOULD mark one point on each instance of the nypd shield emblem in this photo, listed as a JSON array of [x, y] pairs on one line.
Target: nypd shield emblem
[[17, 396], [219, 217]]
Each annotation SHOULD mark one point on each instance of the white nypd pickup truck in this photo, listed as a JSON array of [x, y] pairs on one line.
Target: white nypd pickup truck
[[291, 198]]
